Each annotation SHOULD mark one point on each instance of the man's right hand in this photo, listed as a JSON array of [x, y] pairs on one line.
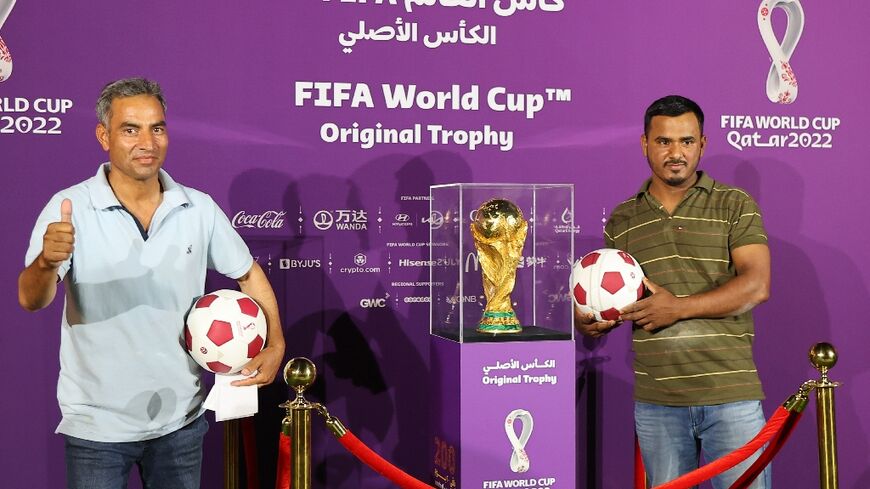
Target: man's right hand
[[586, 324], [59, 238]]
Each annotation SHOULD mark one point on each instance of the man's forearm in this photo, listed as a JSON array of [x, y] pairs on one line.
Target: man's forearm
[[37, 285], [738, 295], [256, 285]]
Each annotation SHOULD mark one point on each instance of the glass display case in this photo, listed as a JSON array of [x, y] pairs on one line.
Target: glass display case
[[540, 296]]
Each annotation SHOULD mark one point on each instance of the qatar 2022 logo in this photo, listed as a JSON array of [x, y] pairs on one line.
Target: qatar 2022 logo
[[5, 55], [782, 86]]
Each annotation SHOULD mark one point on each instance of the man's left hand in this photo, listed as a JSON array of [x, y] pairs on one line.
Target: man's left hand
[[265, 364], [657, 311]]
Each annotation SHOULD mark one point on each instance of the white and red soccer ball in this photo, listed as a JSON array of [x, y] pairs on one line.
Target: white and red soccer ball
[[605, 281], [225, 329]]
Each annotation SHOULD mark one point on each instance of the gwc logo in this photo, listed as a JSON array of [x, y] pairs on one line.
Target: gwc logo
[[5, 54], [374, 302]]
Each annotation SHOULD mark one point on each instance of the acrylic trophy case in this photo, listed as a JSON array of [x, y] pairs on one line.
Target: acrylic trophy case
[[502, 398]]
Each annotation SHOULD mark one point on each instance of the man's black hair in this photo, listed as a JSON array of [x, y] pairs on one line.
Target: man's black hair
[[672, 106]]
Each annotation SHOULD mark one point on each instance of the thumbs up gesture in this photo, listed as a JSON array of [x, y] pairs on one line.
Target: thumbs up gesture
[[59, 237]]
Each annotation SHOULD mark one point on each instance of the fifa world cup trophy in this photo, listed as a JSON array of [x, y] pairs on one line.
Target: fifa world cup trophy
[[499, 231]]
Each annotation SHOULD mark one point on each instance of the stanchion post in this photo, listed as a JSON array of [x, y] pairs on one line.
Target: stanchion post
[[299, 373], [823, 356], [231, 454]]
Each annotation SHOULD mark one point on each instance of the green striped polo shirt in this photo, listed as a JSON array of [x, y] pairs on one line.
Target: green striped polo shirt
[[694, 361]]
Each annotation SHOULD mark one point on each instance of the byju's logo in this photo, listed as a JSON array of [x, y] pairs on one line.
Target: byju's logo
[[5, 55], [782, 84]]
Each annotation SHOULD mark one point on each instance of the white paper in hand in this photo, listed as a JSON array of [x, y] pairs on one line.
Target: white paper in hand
[[229, 401]]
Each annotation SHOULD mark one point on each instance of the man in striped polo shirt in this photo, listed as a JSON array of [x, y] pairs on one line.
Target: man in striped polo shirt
[[704, 252]]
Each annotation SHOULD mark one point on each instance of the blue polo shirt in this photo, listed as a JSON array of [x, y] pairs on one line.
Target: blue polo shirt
[[124, 372]]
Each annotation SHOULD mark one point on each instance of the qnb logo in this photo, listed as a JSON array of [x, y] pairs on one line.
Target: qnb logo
[[782, 86], [265, 220], [5, 54]]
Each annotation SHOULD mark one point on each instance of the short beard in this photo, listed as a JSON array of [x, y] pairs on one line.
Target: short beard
[[675, 180]]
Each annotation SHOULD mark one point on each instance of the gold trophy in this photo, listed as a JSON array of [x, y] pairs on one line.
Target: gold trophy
[[499, 231]]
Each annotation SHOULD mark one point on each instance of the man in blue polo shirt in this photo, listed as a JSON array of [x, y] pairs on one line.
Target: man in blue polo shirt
[[132, 247]]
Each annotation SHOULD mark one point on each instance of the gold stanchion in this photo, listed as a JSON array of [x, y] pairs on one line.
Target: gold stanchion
[[823, 356], [299, 373], [231, 454]]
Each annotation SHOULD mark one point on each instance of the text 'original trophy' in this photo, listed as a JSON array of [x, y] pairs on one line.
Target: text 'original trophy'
[[499, 231]]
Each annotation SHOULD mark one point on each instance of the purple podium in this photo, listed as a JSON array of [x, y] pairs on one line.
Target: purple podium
[[502, 403]]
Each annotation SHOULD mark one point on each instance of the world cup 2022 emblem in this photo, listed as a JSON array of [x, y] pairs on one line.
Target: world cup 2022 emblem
[[499, 231], [5, 55]]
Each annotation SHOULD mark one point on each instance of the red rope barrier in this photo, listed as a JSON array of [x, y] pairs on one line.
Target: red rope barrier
[[378, 464], [772, 428], [768, 453], [639, 474], [282, 481]]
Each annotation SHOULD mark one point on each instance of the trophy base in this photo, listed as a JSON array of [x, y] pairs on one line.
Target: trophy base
[[502, 322], [528, 333], [499, 328]]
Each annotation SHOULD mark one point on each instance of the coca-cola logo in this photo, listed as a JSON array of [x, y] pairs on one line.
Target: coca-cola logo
[[265, 220]]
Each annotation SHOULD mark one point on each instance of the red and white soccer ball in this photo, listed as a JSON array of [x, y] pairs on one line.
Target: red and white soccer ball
[[225, 329], [604, 281]]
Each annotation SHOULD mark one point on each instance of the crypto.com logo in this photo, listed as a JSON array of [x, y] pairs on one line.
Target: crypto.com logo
[[5, 55]]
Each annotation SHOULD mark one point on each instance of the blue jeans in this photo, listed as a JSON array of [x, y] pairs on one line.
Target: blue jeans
[[672, 438], [172, 461]]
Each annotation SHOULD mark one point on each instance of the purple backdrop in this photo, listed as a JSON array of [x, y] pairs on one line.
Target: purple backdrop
[[241, 131]]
